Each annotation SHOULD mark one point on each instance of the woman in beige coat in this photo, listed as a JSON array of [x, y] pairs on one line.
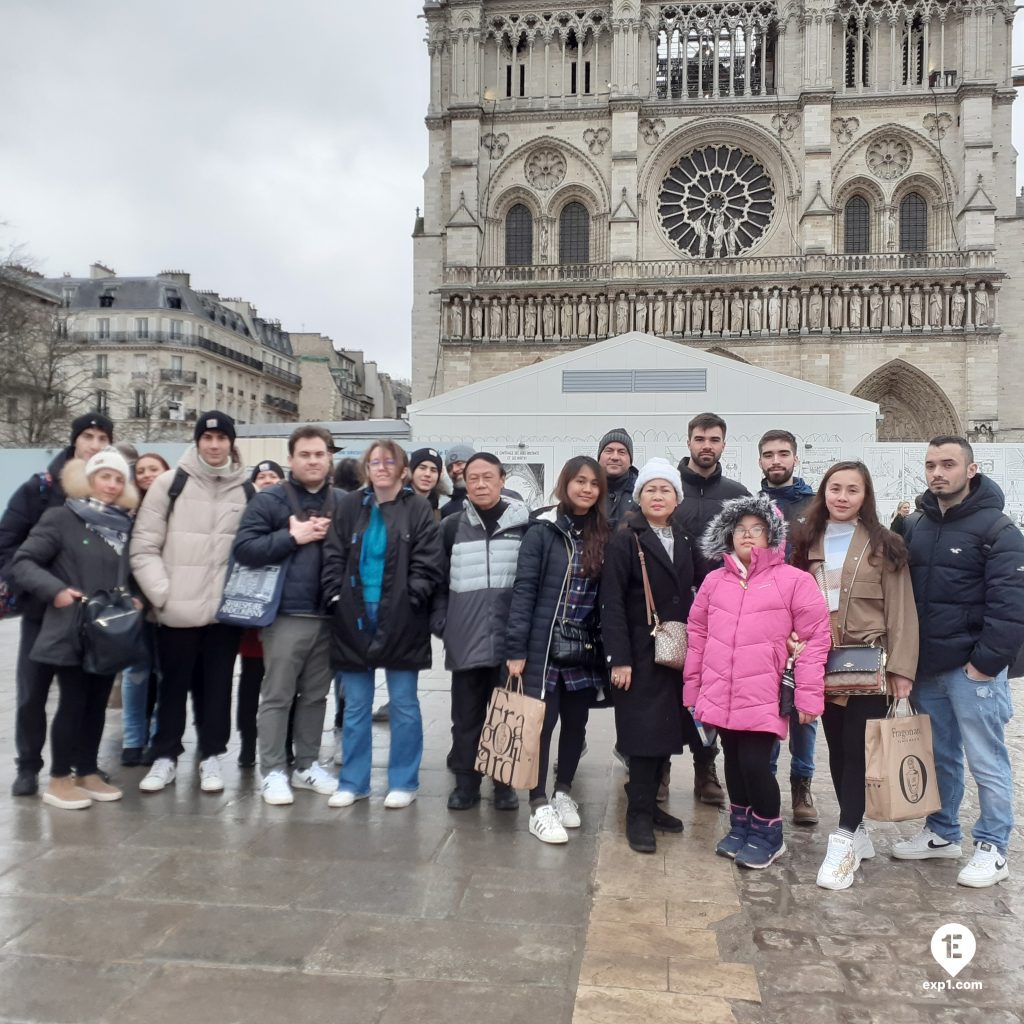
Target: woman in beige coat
[[179, 553], [862, 570]]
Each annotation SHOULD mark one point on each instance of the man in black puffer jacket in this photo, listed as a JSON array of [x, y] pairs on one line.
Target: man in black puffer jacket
[[289, 522], [90, 433], [967, 565], [615, 453]]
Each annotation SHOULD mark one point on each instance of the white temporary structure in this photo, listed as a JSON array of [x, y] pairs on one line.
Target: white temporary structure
[[536, 417]]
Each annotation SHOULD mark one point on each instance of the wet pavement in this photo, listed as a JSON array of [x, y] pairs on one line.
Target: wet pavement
[[214, 907]]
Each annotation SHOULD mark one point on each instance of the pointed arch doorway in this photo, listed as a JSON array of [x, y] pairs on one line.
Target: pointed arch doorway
[[912, 405]]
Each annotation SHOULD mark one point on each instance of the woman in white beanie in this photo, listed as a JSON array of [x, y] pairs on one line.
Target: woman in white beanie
[[73, 551], [651, 723]]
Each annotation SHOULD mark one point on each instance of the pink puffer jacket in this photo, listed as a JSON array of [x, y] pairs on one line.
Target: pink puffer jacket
[[737, 634]]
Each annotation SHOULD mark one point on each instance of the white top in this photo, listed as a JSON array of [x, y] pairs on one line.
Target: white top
[[837, 544]]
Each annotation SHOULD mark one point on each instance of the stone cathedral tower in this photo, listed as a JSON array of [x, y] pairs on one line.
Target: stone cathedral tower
[[824, 188]]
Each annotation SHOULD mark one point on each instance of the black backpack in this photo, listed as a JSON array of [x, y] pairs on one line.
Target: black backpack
[[178, 485]]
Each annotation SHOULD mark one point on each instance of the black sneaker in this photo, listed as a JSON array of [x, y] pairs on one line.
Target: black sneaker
[[26, 783], [462, 798], [505, 798]]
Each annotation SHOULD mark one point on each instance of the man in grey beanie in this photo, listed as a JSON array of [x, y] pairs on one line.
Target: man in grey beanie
[[615, 454]]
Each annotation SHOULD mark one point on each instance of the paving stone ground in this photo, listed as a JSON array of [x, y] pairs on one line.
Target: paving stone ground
[[183, 906]]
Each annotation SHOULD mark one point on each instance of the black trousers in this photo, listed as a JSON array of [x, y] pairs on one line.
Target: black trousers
[[572, 707], [247, 702], [78, 724], [471, 690], [748, 773], [33, 687], [844, 732], [201, 661]]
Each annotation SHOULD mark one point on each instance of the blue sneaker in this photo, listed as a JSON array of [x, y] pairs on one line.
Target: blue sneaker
[[736, 838], [764, 843]]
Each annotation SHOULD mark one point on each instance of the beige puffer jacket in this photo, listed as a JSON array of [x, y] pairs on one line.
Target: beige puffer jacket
[[180, 566]]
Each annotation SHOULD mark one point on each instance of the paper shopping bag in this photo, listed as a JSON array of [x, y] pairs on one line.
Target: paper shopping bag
[[510, 739], [899, 777]]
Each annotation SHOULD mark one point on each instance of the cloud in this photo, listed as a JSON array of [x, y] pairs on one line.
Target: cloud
[[274, 150]]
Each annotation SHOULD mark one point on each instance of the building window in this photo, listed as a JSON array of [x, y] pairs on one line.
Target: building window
[[102, 402], [102, 370], [139, 405], [574, 234], [176, 329], [857, 53], [173, 299], [142, 327], [857, 226], [177, 364], [913, 51], [103, 328], [518, 237], [67, 296], [106, 300], [913, 223]]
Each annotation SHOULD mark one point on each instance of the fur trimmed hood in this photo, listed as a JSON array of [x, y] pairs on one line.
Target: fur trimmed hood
[[76, 485], [717, 539]]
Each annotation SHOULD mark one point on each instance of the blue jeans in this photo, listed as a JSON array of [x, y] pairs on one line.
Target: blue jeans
[[406, 725], [135, 696], [802, 739], [969, 717]]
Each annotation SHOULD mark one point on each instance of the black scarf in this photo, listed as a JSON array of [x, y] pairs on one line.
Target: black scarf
[[109, 522]]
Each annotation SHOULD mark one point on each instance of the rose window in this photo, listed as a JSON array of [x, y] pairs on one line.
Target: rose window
[[716, 201], [545, 168], [889, 159]]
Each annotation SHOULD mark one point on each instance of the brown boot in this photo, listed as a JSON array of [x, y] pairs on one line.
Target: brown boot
[[804, 811], [93, 786], [63, 793], [705, 783]]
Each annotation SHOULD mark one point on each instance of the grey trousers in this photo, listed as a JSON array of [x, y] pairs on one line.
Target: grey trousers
[[296, 653]]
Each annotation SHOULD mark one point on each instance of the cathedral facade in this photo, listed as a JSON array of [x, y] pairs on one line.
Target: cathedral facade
[[825, 189]]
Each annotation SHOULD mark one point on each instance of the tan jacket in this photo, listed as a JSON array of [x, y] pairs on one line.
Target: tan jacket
[[180, 566], [876, 605]]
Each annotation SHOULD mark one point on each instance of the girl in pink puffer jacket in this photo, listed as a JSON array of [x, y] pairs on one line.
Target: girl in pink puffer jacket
[[738, 627]]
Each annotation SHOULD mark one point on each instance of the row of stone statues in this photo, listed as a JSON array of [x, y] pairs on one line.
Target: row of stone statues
[[696, 313]]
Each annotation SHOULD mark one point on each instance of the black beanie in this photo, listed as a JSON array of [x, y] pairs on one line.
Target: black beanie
[[616, 436], [425, 455], [267, 465], [214, 420], [92, 419]]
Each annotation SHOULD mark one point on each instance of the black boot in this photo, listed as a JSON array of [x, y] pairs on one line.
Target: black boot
[[505, 798], [466, 793], [665, 822], [640, 817]]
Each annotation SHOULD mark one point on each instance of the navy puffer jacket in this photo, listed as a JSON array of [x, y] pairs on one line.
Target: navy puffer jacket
[[968, 574]]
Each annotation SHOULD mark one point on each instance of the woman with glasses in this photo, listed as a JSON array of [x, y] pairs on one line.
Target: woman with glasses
[[381, 565], [862, 569], [739, 628]]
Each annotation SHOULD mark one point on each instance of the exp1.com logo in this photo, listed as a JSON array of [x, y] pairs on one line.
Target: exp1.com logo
[[953, 946]]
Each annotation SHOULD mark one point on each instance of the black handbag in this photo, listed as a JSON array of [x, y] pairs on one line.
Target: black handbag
[[575, 644], [113, 629], [787, 690]]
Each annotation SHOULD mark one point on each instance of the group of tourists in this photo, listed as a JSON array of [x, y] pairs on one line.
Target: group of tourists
[[669, 593]]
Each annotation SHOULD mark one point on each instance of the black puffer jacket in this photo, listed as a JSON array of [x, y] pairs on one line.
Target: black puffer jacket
[[703, 497], [26, 507], [412, 572], [264, 539], [620, 496], [650, 720], [969, 595], [539, 589]]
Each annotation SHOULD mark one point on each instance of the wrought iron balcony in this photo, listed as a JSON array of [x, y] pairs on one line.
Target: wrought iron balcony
[[178, 376]]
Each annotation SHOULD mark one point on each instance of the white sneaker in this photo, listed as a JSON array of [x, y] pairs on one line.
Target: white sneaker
[[925, 845], [316, 778], [399, 798], [544, 824], [985, 868], [161, 774], [276, 790], [337, 747], [567, 810], [210, 779], [836, 871], [862, 844], [344, 798]]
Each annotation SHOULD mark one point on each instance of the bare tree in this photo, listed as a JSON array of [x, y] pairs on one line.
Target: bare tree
[[43, 382]]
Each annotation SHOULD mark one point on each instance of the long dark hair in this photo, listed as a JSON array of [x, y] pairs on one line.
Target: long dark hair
[[883, 544], [596, 530]]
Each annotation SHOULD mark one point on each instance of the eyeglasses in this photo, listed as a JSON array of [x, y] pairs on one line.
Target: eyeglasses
[[753, 531], [378, 463]]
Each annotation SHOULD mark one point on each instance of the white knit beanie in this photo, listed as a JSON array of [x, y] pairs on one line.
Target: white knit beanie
[[658, 469], [109, 458]]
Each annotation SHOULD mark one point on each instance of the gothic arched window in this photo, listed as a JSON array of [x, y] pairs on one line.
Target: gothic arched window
[[857, 225], [913, 223], [574, 234], [857, 54], [518, 237]]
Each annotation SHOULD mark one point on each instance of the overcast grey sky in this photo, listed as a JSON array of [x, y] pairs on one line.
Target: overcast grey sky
[[274, 148]]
